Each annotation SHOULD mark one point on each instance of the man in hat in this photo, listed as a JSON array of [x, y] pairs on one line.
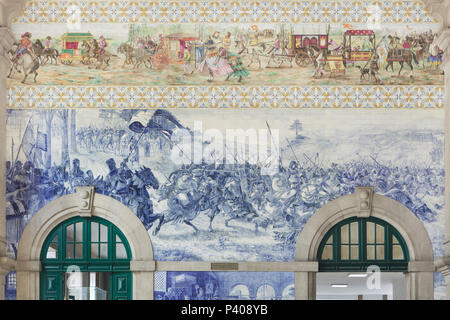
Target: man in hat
[[25, 45], [47, 44]]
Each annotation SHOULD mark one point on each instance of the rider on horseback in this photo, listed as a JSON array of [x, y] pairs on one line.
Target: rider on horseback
[[102, 45], [47, 44], [25, 45]]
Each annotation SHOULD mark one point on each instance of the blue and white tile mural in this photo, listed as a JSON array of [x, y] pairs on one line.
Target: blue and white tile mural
[[199, 198], [224, 286]]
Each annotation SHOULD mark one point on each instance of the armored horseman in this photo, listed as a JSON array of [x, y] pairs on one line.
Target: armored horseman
[[159, 124]]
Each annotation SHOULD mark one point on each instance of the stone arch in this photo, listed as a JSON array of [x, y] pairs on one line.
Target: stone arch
[[363, 203], [85, 202]]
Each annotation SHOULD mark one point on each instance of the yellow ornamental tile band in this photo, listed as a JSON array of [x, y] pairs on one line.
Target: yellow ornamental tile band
[[54, 97], [231, 11]]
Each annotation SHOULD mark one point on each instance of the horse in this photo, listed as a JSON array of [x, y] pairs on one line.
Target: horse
[[183, 208], [88, 52], [137, 190], [253, 53], [406, 55], [126, 49], [102, 58], [49, 54], [28, 63]]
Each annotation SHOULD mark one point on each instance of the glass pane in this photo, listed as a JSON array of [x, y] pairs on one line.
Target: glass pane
[[354, 232], [69, 233], [354, 252], [52, 252], [78, 250], [394, 240], [370, 232], [380, 234], [94, 250], [121, 253], [79, 232], [94, 232], [380, 252], [370, 252], [69, 250], [344, 252], [397, 252], [103, 233], [118, 240], [344, 234], [103, 251]]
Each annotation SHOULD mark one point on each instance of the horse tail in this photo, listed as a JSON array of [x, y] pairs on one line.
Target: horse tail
[[57, 52]]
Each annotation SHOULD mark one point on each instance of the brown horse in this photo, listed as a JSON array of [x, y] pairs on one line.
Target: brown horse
[[45, 55], [401, 56]]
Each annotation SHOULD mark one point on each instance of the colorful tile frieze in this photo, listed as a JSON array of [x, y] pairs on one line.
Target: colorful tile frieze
[[132, 11], [431, 97]]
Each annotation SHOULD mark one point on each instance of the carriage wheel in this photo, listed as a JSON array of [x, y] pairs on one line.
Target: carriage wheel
[[66, 58], [302, 60]]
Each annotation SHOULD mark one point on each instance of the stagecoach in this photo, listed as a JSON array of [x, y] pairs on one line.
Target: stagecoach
[[299, 45], [71, 46], [358, 45]]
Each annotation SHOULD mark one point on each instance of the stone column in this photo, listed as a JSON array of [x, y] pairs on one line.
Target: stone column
[[443, 265], [143, 278], [6, 265]]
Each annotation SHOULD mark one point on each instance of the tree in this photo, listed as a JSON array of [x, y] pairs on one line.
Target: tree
[[297, 126]]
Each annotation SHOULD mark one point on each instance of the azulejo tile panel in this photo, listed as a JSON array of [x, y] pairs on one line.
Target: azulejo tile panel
[[431, 97], [232, 11]]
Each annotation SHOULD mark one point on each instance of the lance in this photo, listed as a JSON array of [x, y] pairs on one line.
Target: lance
[[289, 144]]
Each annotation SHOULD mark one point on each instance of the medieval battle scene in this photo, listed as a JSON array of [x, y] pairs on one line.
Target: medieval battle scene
[[225, 202], [243, 54]]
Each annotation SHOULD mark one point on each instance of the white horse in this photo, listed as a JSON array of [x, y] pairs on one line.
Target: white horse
[[28, 63]]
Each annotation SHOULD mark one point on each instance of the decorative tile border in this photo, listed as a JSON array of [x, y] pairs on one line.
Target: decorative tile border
[[223, 11], [406, 97]]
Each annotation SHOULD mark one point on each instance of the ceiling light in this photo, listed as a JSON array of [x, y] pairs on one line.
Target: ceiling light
[[357, 275], [339, 285]]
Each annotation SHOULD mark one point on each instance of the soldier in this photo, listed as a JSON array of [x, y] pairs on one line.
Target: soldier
[[112, 178]]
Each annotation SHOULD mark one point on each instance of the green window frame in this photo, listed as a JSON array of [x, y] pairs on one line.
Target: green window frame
[[93, 244], [355, 243]]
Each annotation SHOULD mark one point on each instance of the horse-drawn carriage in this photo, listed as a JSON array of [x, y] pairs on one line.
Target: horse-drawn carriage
[[71, 46], [358, 45], [301, 44]]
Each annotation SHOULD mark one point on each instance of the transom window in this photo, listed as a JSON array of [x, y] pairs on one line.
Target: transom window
[[84, 242], [356, 243]]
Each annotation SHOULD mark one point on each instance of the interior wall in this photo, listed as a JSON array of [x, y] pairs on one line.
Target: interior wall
[[333, 131]]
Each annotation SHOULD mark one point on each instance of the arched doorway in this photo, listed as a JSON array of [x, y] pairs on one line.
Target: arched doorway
[[125, 234], [85, 259], [355, 248], [417, 262]]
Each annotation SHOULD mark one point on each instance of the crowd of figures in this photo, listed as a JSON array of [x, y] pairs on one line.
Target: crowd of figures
[[283, 201], [116, 141]]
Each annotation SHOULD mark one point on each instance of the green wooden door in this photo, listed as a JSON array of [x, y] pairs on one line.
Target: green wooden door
[[52, 285], [90, 245], [121, 286]]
